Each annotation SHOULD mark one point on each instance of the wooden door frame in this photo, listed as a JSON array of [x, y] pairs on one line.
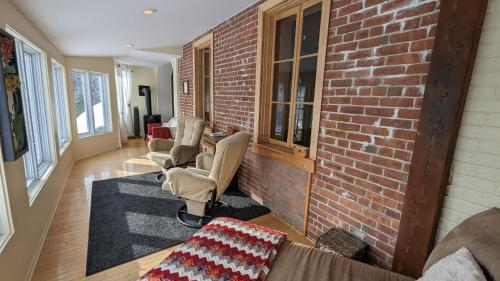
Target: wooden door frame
[[204, 42], [455, 47]]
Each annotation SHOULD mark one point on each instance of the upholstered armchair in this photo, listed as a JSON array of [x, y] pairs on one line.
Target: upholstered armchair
[[169, 153], [202, 187]]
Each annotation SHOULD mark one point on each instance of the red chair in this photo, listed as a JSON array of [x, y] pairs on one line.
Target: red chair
[[156, 131]]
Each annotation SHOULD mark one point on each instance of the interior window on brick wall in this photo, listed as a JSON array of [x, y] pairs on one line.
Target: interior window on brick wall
[[203, 79], [292, 66]]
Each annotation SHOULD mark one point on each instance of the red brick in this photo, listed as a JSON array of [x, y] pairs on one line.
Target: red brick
[[412, 35], [404, 59], [415, 11], [393, 49], [350, 9]]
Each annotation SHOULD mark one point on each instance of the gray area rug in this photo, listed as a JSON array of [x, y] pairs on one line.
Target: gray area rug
[[132, 217]]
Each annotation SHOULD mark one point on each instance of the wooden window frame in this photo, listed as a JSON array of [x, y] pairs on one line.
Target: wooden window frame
[[268, 12], [198, 98]]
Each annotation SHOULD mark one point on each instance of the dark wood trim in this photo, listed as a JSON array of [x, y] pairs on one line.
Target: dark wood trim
[[457, 39]]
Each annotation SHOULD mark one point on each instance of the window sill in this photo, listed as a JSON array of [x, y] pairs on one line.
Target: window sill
[[38, 185], [84, 136], [4, 239], [64, 147], [277, 153]]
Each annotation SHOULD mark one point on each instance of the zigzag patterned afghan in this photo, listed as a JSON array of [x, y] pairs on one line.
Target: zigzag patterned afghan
[[224, 249]]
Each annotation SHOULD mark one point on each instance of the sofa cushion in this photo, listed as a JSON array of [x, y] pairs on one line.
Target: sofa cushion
[[296, 262], [459, 266], [481, 235]]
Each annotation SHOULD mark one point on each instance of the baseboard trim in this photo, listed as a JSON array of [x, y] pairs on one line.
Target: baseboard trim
[[95, 153], [38, 251]]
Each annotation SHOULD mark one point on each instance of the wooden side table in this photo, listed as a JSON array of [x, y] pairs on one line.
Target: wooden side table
[[208, 143]]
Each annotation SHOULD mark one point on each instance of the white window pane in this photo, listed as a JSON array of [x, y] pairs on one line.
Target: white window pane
[[80, 103], [39, 157], [60, 104], [98, 98]]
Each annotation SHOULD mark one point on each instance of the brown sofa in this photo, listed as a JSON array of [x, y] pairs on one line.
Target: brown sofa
[[480, 234]]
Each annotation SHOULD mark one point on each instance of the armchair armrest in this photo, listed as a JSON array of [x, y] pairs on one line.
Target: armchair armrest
[[151, 126], [161, 132], [181, 154], [188, 185], [160, 144], [204, 161]]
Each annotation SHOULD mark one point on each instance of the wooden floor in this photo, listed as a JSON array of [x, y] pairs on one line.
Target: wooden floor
[[64, 253]]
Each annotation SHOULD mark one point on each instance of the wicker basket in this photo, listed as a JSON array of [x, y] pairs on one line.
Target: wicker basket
[[342, 243]]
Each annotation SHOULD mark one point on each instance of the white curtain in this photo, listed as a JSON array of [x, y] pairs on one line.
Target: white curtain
[[124, 91]]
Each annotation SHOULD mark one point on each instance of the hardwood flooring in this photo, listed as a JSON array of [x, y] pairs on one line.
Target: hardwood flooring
[[64, 252]]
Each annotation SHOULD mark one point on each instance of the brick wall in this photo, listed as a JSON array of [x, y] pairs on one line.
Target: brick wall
[[475, 176], [377, 61]]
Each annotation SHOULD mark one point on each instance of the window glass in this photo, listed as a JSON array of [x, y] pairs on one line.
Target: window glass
[[310, 30], [282, 81], [63, 131], [40, 157], [303, 124], [307, 80], [279, 121], [206, 85], [80, 103], [90, 91], [285, 38], [97, 94], [294, 76]]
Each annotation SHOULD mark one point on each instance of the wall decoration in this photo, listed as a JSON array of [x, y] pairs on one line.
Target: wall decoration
[[12, 126], [185, 88]]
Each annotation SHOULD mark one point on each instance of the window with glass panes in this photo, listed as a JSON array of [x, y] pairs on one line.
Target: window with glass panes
[[40, 157], [91, 99], [61, 106], [203, 79], [293, 85]]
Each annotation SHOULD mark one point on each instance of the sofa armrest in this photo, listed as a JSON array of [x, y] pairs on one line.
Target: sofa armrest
[[161, 133], [188, 185], [181, 154], [160, 144], [204, 161]]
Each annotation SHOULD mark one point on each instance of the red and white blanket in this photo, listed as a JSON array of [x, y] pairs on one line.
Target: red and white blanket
[[224, 249]]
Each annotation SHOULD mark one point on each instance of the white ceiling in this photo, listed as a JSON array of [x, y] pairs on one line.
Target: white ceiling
[[102, 27]]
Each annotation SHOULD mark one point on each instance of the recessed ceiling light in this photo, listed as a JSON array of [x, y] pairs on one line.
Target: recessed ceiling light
[[149, 11], [129, 45]]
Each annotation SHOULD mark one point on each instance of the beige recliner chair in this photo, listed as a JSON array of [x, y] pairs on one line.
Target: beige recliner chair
[[169, 153], [203, 186]]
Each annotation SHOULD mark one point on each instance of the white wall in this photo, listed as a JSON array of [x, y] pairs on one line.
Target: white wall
[[475, 176], [147, 77], [18, 258]]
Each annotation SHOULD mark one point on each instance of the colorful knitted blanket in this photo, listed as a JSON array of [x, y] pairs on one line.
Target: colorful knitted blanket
[[224, 249]]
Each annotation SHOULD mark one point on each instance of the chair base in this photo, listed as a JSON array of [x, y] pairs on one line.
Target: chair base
[[160, 177], [198, 222]]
